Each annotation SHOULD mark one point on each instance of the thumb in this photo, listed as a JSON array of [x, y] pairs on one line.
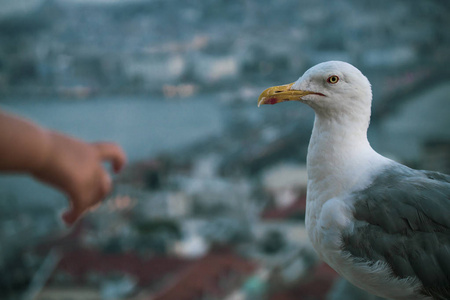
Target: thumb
[[71, 215], [78, 206]]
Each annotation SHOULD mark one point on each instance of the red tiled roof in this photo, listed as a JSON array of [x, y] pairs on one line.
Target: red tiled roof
[[204, 275], [147, 271], [316, 287]]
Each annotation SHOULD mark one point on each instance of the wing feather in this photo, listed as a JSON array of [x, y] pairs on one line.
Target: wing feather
[[403, 219]]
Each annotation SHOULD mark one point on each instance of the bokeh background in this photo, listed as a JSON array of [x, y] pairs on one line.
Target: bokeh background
[[211, 205]]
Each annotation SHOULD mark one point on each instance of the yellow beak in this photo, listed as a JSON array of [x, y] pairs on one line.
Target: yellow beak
[[282, 93]]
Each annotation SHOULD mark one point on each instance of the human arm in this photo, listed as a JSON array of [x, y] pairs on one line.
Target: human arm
[[68, 164]]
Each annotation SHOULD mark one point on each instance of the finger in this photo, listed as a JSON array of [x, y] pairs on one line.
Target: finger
[[113, 153], [71, 216], [82, 204]]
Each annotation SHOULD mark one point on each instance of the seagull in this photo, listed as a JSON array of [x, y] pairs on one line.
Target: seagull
[[383, 226]]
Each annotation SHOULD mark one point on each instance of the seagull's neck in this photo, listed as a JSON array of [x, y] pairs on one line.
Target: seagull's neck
[[340, 158]]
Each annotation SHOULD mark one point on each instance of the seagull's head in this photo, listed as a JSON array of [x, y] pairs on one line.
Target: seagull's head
[[330, 88]]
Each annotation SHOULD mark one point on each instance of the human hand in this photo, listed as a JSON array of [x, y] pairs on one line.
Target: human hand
[[75, 167]]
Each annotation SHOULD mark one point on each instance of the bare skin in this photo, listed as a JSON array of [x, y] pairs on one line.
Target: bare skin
[[68, 164]]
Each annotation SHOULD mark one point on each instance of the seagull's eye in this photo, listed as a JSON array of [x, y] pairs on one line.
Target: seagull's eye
[[333, 79]]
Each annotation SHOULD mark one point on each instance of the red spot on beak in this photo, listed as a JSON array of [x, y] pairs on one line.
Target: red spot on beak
[[272, 101]]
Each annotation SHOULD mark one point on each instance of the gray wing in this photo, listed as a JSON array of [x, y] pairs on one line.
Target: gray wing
[[403, 219]]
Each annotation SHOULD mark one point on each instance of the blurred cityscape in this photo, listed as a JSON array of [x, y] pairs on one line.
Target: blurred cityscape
[[221, 217]]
